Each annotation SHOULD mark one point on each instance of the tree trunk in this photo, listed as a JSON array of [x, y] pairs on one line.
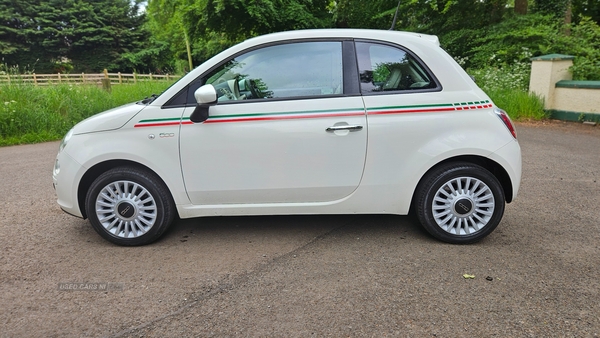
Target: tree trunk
[[521, 7], [568, 17]]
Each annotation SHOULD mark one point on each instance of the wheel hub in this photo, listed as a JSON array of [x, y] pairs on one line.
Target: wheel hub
[[463, 206], [126, 210]]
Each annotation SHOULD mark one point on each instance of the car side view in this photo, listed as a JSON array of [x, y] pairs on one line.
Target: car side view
[[338, 121]]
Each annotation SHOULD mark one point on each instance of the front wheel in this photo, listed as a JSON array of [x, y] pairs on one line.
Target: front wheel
[[460, 203], [129, 206]]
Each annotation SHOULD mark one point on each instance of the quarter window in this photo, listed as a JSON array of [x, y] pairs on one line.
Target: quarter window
[[304, 69], [384, 68]]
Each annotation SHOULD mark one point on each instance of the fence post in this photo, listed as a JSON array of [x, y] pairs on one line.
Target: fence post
[[59, 78], [167, 76], [83, 78], [134, 77], [106, 84], [120, 78], [34, 79], [105, 73], [150, 76]]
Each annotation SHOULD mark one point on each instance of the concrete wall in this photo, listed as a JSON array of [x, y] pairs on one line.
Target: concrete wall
[[565, 99]]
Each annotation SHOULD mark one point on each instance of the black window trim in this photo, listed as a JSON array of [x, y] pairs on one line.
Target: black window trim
[[349, 73], [423, 65]]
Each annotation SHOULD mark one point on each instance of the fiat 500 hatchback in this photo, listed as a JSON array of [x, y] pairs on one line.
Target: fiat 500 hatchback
[[302, 122]]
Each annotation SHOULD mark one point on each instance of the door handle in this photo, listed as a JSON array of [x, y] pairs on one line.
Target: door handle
[[350, 128]]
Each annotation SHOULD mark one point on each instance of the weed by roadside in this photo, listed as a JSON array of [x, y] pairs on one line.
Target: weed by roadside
[[30, 114], [508, 87]]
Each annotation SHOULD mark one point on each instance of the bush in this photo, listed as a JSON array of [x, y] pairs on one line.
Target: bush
[[507, 86], [519, 105], [30, 114], [514, 76], [518, 38]]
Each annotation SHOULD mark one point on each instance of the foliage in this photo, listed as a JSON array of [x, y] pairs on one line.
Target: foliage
[[520, 105], [584, 43], [213, 25], [587, 8], [518, 38], [507, 87], [515, 39], [57, 35], [551, 7], [34, 114], [514, 77]]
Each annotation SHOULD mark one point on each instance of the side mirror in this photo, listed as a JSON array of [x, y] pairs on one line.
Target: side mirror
[[206, 96]]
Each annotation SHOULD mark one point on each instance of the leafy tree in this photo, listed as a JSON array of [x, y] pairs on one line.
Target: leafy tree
[[165, 21], [212, 25], [586, 8], [19, 34], [521, 7], [91, 35], [102, 32]]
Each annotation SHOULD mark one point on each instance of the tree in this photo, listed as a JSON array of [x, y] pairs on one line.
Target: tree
[[92, 36], [212, 25], [521, 7]]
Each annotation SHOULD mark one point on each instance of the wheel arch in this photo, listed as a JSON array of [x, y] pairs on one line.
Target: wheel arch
[[490, 165], [99, 168]]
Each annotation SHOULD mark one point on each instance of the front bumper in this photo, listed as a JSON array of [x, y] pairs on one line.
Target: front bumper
[[65, 178]]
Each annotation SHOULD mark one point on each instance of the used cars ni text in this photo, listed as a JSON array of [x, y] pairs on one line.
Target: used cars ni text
[[301, 122]]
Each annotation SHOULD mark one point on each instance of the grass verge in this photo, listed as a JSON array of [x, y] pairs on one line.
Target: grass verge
[[519, 104], [30, 114]]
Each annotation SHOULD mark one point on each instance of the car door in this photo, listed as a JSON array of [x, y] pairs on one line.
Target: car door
[[286, 129]]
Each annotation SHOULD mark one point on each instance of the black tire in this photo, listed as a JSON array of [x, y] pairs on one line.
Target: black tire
[[459, 203], [129, 206]]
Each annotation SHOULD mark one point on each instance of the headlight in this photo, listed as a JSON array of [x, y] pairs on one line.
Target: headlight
[[64, 141]]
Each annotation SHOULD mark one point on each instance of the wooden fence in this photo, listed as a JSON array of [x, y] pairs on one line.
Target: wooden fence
[[92, 79]]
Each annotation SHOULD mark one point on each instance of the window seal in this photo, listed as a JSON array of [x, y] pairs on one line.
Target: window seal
[[202, 76], [420, 62]]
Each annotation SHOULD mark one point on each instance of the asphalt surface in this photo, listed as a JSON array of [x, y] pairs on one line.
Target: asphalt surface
[[536, 275]]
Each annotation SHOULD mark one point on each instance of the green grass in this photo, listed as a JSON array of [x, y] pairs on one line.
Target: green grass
[[519, 104], [30, 114], [507, 87]]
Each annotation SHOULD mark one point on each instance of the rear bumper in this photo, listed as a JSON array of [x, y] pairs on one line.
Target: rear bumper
[[509, 157]]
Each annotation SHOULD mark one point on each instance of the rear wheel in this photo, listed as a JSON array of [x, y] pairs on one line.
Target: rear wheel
[[129, 206], [460, 203]]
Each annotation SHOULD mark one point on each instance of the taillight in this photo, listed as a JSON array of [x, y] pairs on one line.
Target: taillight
[[507, 122]]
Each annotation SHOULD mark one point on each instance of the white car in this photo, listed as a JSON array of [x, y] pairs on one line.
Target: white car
[[301, 122]]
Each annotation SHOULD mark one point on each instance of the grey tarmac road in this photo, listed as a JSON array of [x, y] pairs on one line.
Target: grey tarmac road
[[536, 275]]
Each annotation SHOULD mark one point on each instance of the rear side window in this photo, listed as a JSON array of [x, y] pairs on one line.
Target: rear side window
[[384, 68]]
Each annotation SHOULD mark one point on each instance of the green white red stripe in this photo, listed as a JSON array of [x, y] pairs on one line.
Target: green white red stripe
[[414, 109], [163, 122], [430, 108], [285, 115]]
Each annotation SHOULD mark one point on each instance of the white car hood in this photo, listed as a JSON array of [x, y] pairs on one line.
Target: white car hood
[[109, 120]]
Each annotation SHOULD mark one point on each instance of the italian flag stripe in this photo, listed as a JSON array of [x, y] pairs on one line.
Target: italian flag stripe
[[426, 108], [272, 117]]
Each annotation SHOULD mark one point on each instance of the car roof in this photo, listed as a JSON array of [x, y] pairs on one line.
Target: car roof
[[376, 34], [426, 46]]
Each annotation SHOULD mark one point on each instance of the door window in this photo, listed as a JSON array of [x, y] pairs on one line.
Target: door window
[[304, 69], [384, 68]]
